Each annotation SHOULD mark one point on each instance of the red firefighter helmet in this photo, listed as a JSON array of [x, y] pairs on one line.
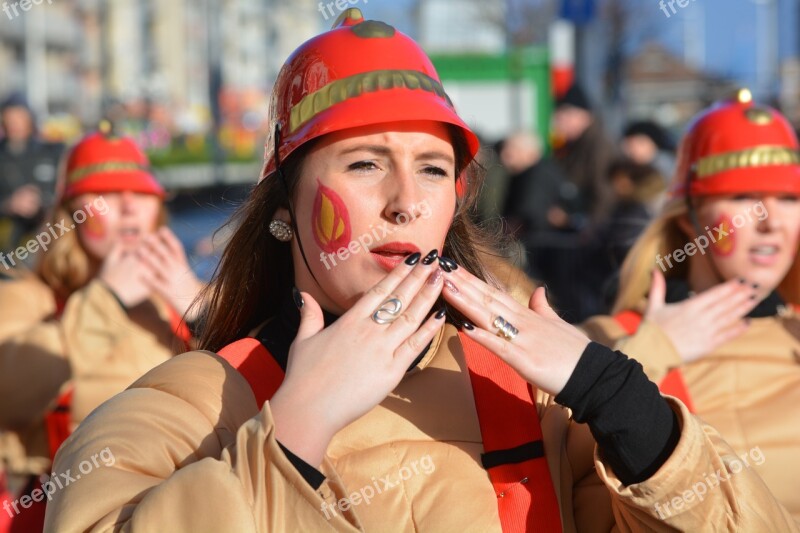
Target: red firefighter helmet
[[362, 72], [738, 147], [102, 162]]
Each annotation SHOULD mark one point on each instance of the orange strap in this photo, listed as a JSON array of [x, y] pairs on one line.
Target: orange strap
[[509, 421], [512, 442], [673, 383], [179, 327], [57, 422]]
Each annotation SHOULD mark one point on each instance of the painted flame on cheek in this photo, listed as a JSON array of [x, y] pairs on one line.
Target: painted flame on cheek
[[330, 220], [94, 228], [726, 243]]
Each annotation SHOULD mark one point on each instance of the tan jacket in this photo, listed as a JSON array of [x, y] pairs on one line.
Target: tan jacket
[[748, 389], [188, 449], [95, 346]]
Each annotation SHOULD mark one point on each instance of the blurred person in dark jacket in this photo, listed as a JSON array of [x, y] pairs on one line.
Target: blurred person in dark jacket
[[639, 193], [535, 184], [28, 168], [647, 143], [584, 152]]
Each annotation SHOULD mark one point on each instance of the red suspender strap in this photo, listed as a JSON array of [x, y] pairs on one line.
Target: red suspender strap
[[179, 327], [512, 435], [673, 383], [57, 421], [512, 442], [257, 365]]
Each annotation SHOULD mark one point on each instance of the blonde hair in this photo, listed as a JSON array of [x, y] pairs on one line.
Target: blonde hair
[[662, 237]]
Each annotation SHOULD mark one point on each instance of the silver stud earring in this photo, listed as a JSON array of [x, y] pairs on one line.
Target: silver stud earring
[[281, 230]]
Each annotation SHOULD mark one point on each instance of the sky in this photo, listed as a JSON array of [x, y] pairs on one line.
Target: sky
[[730, 38]]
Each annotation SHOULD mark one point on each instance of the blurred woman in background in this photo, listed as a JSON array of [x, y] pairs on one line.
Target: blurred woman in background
[[722, 332], [102, 306]]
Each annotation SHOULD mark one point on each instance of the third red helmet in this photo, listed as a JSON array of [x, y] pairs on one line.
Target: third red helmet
[[738, 147]]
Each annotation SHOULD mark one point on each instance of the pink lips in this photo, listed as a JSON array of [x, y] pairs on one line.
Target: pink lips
[[390, 254]]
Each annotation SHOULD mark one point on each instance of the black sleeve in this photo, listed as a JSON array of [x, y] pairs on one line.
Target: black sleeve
[[312, 476], [634, 426]]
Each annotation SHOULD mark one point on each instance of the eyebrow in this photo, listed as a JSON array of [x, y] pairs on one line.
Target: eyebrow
[[385, 151]]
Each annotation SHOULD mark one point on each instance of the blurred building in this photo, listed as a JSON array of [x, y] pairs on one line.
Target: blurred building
[[659, 85], [82, 56], [462, 25]]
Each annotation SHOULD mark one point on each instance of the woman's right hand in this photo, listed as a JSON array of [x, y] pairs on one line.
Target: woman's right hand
[[339, 373], [699, 325]]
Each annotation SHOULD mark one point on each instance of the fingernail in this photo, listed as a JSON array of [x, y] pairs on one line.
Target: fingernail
[[434, 278], [298, 298], [468, 326], [447, 264], [413, 259], [752, 296], [431, 257], [742, 281], [440, 313], [755, 285], [450, 286]]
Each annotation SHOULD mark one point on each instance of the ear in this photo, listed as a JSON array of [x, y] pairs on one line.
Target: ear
[[686, 226], [282, 214]]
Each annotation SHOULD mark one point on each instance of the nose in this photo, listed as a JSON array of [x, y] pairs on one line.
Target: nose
[[402, 193], [128, 202], [772, 219]]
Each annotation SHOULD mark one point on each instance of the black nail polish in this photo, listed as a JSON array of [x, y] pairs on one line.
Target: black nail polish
[[440, 313], [451, 265], [431, 257], [467, 326], [298, 298], [413, 259]]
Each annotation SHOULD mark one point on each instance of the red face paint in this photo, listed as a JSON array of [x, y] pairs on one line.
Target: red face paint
[[93, 228], [330, 220], [725, 244]]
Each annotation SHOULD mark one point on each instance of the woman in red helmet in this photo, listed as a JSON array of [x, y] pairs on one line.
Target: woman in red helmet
[[370, 396], [722, 332], [101, 307]]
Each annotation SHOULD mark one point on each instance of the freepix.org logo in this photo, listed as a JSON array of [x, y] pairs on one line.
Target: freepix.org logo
[[11, 11]]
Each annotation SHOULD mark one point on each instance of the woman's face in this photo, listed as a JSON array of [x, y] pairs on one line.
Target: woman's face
[[114, 217], [367, 198], [756, 237]]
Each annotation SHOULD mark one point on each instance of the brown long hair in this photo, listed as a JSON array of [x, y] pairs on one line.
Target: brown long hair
[[256, 269]]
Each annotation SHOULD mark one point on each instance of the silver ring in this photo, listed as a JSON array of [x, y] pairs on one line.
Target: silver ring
[[505, 329], [388, 311]]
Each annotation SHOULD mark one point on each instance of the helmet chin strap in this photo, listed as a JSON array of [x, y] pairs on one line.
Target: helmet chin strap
[[696, 223], [289, 204]]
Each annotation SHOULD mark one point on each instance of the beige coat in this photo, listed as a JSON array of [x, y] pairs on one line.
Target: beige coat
[[748, 389], [94, 346], [188, 449]]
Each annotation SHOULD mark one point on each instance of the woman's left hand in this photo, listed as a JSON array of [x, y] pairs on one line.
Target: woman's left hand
[[174, 278], [546, 350]]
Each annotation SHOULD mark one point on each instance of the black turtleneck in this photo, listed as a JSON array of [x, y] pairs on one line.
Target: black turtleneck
[[678, 290]]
